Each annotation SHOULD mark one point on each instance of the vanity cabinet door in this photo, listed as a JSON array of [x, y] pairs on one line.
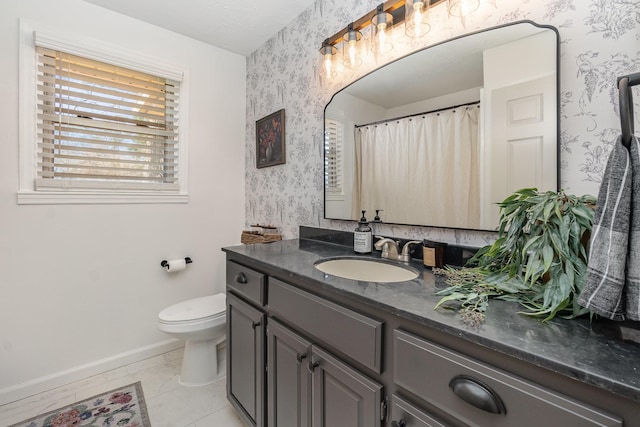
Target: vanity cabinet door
[[246, 360], [288, 379], [342, 396]]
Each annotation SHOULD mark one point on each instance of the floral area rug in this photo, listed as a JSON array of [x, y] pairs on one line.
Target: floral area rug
[[123, 406]]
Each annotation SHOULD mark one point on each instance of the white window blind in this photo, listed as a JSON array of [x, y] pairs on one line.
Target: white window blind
[[102, 126], [333, 148]]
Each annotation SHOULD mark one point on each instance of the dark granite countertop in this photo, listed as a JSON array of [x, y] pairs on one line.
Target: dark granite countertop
[[604, 354]]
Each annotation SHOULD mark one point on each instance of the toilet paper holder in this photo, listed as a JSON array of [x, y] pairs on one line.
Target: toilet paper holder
[[164, 263]]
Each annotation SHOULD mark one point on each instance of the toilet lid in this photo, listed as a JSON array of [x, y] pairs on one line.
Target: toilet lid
[[194, 309]]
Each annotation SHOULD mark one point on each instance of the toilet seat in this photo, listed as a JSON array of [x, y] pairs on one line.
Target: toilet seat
[[194, 310]]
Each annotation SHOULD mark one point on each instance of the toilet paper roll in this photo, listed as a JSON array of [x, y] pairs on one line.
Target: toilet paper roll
[[174, 265]]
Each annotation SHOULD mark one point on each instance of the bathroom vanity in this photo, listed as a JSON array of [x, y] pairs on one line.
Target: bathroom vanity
[[310, 349]]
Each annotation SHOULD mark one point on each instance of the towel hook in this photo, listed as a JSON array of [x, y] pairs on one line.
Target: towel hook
[[625, 96]]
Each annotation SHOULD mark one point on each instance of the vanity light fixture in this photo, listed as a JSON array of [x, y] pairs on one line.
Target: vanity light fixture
[[327, 52], [352, 51], [416, 21], [380, 32], [379, 23]]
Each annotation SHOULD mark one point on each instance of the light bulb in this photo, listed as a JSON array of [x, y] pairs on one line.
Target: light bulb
[[381, 40], [417, 13], [382, 34], [416, 18], [328, 59], [327, 52], [462, 8], [352, 53]]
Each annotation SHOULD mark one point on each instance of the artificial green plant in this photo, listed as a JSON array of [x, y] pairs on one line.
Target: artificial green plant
[[539, 259]]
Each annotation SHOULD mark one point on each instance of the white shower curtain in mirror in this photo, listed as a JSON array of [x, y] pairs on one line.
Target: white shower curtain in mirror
[[393, 158]]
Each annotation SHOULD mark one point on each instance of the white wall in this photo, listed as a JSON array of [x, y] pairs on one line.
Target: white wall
[[82, 285], [445, 101]]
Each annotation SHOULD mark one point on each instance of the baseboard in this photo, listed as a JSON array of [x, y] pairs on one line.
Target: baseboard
[[48, 382]]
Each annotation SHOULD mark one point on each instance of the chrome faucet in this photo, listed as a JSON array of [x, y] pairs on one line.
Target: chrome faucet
[[389, 249]]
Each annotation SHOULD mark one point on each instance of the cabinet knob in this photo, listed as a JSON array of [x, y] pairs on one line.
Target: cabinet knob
[[312, 366], [241, 278], [300, 357], [255, 324], [400, 423], [477, 394]]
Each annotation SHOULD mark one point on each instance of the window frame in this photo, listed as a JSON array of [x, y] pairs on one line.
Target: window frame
[[337, 143], [100, 51]]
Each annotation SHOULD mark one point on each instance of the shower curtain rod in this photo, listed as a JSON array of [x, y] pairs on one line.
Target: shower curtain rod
[[625, 96], [418, 114]]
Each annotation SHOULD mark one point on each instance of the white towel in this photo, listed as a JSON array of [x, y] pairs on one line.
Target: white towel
[[612, 285]]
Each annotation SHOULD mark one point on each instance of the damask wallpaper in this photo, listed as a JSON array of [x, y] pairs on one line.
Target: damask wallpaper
[[600, 40]]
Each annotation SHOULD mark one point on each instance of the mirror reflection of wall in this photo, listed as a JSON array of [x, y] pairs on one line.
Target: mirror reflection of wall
[[448, 167]]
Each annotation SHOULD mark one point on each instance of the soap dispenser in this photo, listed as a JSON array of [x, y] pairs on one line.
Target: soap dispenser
[[362, 236], [376, 220]]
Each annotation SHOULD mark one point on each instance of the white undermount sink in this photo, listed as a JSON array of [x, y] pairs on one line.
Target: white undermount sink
[[366, 269]]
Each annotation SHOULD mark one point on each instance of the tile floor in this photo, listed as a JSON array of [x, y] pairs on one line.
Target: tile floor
[[169, 404]]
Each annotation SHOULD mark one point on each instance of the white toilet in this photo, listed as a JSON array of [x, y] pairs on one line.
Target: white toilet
[[201, 322]]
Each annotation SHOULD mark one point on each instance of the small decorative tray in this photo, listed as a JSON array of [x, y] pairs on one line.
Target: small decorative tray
[[260, 234]]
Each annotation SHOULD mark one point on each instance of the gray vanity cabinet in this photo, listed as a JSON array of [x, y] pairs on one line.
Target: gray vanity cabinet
[[303, 355], [288, 377], [278, 378], [341, 395], [478, 394], [246, 345]]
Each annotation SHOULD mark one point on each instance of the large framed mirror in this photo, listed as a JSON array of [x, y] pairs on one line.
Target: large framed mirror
[[438, 137]]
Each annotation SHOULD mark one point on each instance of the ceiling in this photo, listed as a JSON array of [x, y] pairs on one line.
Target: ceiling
[[237, 26], [440, 70]]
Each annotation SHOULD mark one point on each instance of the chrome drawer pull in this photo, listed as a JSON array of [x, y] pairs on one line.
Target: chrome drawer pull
[[299, 357], [241, 278], [477, 394]]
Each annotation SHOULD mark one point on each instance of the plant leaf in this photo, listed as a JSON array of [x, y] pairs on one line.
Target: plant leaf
[[451, 297], [547, 255]]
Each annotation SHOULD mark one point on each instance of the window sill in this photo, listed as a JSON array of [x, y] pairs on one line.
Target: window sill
[[335, 197], [97, 198]]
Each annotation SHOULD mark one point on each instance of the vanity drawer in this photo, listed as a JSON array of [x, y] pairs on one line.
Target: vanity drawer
[[432, 372], [246, 282], [405, 414], [355, 335]]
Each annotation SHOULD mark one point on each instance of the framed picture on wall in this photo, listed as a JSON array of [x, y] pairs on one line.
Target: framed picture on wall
[[270, 143]]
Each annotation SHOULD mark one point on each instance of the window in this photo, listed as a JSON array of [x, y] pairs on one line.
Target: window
[[99, 123], [333, 156], [104, 126]]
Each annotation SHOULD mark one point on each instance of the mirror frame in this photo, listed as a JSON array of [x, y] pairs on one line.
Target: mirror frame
[[558, 132]]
